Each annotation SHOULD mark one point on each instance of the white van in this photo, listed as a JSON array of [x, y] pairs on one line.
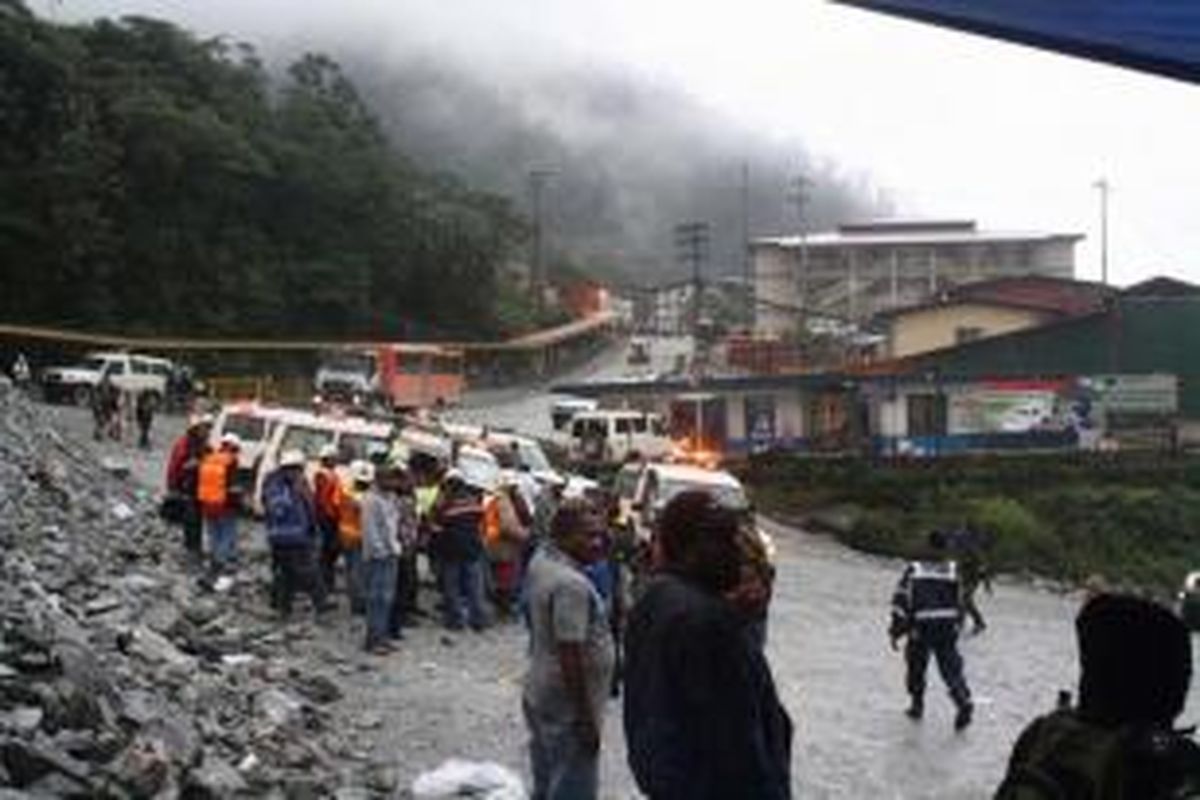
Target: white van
[[354, 437], [129, 372], [253, 423], [610, 437]]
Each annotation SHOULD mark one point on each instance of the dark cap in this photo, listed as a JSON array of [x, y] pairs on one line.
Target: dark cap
[[1135, 658]]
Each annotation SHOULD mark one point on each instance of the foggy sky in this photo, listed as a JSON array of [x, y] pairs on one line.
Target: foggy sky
[[944, 123]]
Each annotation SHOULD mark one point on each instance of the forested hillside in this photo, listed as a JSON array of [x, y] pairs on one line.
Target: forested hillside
[[151, 181]]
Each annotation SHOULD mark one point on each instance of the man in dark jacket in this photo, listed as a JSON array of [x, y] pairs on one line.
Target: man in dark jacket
[[459, 547], [1135, 662], [183, 467], [927, 610], [292, 533], [702, 719]]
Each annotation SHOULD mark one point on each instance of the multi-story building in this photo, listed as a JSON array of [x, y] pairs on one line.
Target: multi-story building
[[861, 269]]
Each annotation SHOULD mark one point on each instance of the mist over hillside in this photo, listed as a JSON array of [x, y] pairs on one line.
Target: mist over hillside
[[631, 159]]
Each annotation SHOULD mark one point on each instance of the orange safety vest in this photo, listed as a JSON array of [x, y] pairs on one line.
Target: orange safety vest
[[349, 504], [212, 488], [491, 519]]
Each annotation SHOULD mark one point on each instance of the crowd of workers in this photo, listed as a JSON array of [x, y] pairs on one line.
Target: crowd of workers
[[701, 714]]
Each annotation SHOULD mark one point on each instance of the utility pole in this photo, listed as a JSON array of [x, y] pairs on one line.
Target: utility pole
[[1103, 187], [747, 252], [691, 242], [537, 276], [798, 197]]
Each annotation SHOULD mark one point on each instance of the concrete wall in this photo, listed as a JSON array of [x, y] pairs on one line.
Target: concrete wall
[[930, 329]]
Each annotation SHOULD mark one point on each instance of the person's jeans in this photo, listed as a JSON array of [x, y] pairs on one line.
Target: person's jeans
[[380, 578], [329, 552], [193, 530], [942, 644], [295, 570], [354, 579], [405, 602], [222, 540], [561, 770], [462, 585]]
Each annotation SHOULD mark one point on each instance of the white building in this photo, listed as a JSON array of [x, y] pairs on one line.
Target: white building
[[861, 269]]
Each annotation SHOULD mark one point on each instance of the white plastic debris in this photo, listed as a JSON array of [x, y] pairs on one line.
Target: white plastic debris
[[122, 511], [457, 778], [223, 584]]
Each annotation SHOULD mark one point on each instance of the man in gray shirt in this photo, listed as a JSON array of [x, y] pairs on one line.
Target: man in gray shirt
[[570, 659]]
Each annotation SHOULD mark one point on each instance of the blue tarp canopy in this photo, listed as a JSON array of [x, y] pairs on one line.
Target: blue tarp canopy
[[1158, 36]]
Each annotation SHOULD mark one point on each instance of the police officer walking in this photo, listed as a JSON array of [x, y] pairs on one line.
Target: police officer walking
[[927, 609]]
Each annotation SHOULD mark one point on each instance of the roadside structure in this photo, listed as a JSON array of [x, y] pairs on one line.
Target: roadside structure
[[860, 269], [1123, 374]]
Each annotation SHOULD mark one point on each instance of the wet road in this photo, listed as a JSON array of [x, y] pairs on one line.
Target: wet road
[[449, 695]]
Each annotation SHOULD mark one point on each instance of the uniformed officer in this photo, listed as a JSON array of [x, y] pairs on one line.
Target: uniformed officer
[[927, 609]]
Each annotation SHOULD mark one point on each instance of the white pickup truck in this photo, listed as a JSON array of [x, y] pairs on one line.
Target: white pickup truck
[[129, 372]]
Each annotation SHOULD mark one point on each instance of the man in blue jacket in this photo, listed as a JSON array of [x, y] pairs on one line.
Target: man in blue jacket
[[292, 533]]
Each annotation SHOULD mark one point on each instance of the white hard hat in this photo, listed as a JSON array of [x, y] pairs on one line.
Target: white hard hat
[[230, 439], [196, 420], [328, 451], [362, 472], [292, 458]]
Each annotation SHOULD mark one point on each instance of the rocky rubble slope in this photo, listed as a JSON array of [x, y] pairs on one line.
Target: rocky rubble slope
[[117, 677]]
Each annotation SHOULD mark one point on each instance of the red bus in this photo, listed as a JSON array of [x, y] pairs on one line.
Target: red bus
[[419, 375]]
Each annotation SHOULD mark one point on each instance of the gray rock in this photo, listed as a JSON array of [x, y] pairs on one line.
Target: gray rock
[[317, 688], [29, 761], [279, 709], [215, 779], [22, 721]]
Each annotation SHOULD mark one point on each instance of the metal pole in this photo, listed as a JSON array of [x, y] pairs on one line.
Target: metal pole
[[747, 252], [537, 182], [1103, 186]]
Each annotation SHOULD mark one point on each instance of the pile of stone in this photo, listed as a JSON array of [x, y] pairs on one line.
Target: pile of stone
[[118, 676]]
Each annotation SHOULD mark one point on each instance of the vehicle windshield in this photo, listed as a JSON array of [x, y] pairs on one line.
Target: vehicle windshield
[[94, 363], [247, 428], [308, 440], [354, 446], [358, 363], [532, 456], [479, 470], [732, 497], [626, 483]]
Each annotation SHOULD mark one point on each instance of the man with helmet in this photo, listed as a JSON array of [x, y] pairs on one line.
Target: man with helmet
[[325, 495], [350, 530], [291, 521], [220, 498]]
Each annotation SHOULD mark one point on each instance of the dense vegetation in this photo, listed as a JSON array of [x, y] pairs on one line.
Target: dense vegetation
[[1135, 521], [152, 181]]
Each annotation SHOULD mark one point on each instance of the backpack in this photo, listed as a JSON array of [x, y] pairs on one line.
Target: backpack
[[285, 518], [1061, 757]]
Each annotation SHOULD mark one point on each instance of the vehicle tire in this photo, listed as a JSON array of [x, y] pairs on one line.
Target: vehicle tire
[[82, 396]]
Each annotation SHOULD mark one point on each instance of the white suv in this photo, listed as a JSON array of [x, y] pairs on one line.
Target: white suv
[[128, 372]]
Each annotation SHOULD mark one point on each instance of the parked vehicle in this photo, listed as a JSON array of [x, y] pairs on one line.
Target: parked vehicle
[[253, 423], [657, 484], [345, 376], [129, 372], [611, 437], [563, 411], [355, 438]]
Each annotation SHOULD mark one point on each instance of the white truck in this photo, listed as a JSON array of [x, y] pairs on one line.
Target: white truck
[[129, 372]]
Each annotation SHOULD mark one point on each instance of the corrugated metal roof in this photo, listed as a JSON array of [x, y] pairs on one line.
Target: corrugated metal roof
[[838, 239]]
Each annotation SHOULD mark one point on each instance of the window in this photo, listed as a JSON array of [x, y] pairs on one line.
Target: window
[[623, 426], [926, 415], [308, 440], [247, 428], [967, 333], [140, 367], [638, 424], [353, 446], [411, 363]]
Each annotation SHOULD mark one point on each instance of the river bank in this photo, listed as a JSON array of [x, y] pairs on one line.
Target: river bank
[[1132, 521]]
